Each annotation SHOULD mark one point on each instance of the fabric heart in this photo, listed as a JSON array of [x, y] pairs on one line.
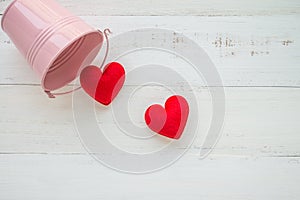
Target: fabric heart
[[103, 86], [171, 120]]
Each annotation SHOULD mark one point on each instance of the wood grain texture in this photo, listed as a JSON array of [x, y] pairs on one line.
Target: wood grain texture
[[182, 8], [255, 47], [47, 177], [247, 51], [259, 121]]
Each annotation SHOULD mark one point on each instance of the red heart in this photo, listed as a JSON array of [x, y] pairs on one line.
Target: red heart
[[103, 86], [171, 120]]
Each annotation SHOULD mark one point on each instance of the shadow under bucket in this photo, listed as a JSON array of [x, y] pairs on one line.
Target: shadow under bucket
[[55, 43]]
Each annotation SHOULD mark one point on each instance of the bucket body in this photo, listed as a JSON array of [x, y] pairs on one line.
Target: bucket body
[[56, 43]]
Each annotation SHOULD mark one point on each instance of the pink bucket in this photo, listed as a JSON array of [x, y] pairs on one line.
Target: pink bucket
[[55, 43]]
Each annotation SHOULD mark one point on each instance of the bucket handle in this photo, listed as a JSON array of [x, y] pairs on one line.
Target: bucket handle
[[106, 33]]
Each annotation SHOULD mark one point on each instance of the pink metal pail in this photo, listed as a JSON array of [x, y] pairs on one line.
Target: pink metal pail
[[55, 43]]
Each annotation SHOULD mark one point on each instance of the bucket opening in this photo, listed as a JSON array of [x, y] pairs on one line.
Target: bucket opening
[[75, 56]]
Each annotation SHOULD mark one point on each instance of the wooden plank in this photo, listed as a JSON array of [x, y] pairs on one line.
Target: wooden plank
[[259, 121], [80, 177], [171, 7], [247, 51]]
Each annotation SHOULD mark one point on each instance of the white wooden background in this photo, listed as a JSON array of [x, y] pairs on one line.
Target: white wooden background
[[258, 156]]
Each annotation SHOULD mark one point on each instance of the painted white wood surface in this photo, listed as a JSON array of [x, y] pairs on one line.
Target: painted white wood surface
[[247, 51], [255, 46], [171, 7], [259, 121], [79, 177]]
